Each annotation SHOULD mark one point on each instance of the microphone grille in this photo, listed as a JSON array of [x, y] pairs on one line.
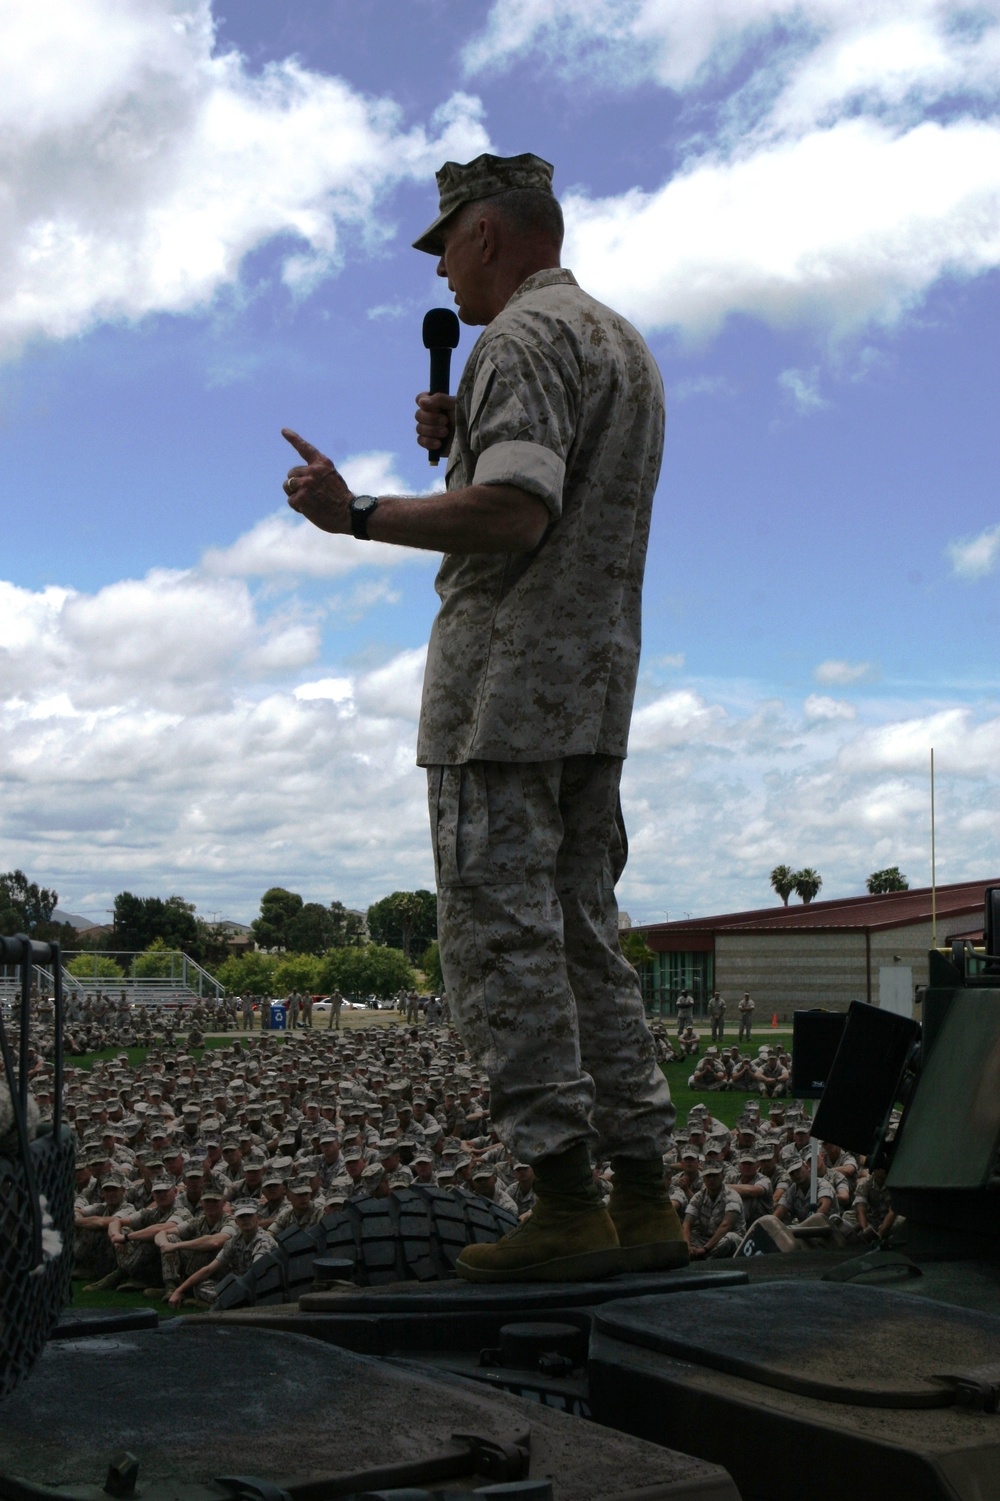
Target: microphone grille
[[441, 329]]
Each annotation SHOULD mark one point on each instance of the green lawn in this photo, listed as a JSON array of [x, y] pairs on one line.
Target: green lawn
[[138, 1055], [113, 1300], [724, 1106]]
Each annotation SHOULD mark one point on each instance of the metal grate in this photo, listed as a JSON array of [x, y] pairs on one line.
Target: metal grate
[[36, 1178]]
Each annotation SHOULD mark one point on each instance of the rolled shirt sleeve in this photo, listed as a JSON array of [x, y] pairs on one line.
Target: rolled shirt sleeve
[[529, 466], [523, 420]]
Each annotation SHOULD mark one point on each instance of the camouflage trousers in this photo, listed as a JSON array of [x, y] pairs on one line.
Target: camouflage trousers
[[178, 1263], [93, 1252], [527, 856]]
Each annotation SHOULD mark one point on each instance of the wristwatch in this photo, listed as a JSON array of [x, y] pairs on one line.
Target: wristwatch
[[362, 508]]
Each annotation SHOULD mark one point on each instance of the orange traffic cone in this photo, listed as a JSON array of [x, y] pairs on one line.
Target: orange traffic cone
[[774, 1019]]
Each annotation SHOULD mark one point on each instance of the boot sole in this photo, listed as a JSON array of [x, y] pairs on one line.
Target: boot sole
[[588, 1266]]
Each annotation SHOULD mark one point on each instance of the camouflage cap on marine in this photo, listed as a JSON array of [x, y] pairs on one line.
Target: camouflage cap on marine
[[466, 182]]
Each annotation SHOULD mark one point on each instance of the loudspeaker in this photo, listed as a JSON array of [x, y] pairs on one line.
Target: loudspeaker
[[815, 1039], [863, 1082]]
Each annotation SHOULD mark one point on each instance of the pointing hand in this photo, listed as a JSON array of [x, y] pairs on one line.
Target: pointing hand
[[315, 488]]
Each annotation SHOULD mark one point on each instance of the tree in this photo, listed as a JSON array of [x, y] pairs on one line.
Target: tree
[[158, 962], [350, 927], [890, 879], [430, 963], [297, 972], [635, 949], [25, 906], [783, 881], [277, 908], [312, 930], [140, 920], [251, 974], [94, 967], [404, 920], [807, 883], [372, 970]]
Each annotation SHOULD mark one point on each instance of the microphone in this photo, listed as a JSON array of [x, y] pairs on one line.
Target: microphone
[[441, 333]]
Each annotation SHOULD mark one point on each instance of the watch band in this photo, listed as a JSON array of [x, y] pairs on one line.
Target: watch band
[[362, 508]]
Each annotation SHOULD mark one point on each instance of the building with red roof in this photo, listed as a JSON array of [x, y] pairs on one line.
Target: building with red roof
[[865, 948]]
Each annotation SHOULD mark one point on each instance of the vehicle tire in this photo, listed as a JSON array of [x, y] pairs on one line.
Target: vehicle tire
[[413, 1235]]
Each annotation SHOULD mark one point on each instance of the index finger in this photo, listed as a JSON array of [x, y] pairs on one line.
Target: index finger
[[307, 451]]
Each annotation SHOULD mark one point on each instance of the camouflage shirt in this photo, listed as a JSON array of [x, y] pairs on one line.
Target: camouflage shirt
[[238, 1254], [533, 656]]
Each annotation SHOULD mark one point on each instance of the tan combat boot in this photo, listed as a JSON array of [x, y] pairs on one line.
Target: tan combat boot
[[568, 1237], [648, 1226]]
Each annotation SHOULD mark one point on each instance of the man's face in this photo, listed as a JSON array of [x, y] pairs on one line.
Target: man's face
[[462, 264]]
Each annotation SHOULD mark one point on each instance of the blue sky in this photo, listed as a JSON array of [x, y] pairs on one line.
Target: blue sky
[[207, 217]]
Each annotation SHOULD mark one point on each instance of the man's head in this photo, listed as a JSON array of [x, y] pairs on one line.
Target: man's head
[[499, 222]]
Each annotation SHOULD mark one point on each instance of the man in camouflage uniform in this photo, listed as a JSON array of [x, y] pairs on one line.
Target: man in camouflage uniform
[[554, 444], [133, 1237], [188, 1247], [238, 1254], [713, 1220]]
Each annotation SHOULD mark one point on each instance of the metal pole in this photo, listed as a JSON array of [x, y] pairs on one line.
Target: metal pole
[[933, 864], [813, 1166]]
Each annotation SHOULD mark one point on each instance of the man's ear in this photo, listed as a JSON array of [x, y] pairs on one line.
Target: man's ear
[[487, 232]]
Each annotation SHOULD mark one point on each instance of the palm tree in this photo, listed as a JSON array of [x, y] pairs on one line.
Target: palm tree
[[783, 881], [807, 883]]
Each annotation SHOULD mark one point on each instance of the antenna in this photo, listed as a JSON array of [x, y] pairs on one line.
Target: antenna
[[933, 864]]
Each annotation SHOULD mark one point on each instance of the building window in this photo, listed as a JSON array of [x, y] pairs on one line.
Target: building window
[[668, 974]]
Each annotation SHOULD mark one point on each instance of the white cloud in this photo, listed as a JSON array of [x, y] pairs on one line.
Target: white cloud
[[832, 53], [676, 718], [167, 734], [840, 674], [842, 228], [139, 166], [975, 557], [821, 708], [802, 388], [848, 156], [337, 690]]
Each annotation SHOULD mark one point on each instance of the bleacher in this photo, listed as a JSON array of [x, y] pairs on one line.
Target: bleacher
[[187, 981]]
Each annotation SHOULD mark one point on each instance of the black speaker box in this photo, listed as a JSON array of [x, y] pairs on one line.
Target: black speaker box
[[815, 1039], [864, 1078]]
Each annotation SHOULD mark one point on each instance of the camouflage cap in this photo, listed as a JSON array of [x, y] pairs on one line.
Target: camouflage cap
[[162, 1184], [212, 1191], [466, 182], [245, 1206]]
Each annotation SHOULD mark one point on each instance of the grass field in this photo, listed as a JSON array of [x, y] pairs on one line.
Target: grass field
[[725, 1107]]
